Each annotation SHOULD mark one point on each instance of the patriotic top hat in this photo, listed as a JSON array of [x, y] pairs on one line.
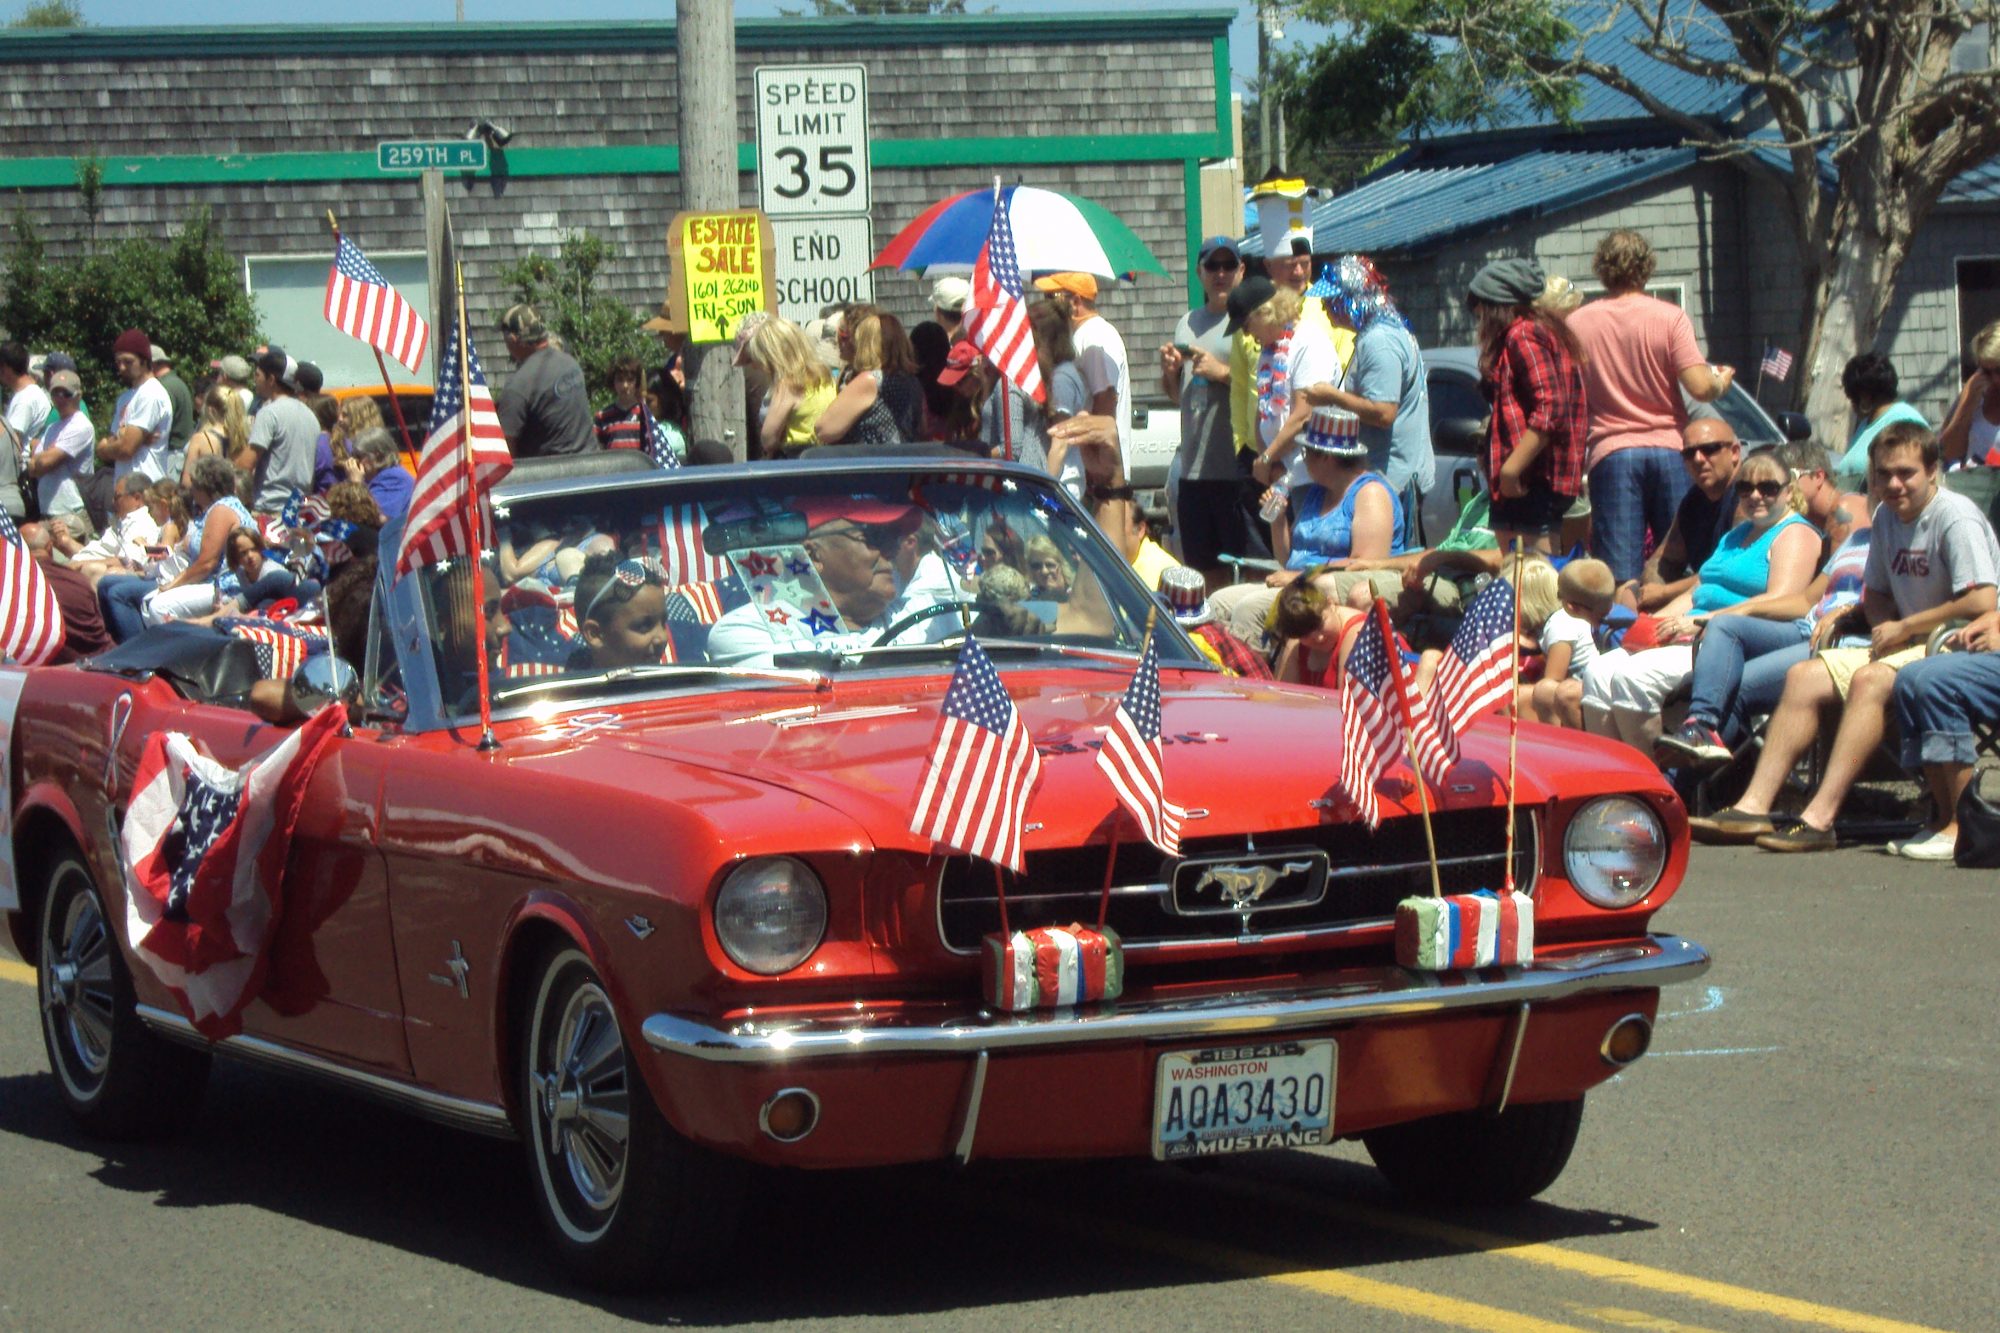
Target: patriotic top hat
[[1333, 431], [1284, 215], [1186, 595]]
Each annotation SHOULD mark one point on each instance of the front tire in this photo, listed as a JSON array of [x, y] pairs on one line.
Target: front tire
[[629, 1203], [1476, 1158], [119, 1079]]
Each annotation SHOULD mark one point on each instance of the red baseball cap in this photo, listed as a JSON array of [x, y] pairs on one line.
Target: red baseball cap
[[822, 509], [963, 357]]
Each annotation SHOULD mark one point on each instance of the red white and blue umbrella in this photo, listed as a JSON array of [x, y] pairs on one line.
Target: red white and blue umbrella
[[1053, 233]]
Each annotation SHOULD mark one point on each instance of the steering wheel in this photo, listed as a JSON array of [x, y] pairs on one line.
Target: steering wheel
[[923, 613]]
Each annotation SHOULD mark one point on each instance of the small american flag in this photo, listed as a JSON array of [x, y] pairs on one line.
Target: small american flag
[[657, 447], [361, 304], [1131, 756], [682, 557], [1371, 729], [439, 525], [974, 794], [281, 648], [31, 623], [1777, 363], [997, 321], [1476, 674]]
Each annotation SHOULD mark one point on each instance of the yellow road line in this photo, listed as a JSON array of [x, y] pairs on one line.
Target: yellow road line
[[13, 971], [1595, 1266], [1346, 1286]]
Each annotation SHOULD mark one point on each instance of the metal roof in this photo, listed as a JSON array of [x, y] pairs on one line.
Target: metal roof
[[1419, 208], [1690, 94], [1981, 185]]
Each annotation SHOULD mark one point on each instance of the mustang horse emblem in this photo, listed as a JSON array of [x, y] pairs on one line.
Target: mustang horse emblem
[[1242, 885]]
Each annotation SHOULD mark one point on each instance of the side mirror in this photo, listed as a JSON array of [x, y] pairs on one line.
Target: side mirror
[[321, 678], [1795, 425]]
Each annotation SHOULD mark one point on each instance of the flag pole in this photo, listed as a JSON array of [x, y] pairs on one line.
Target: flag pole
[[1761, 363], [474, 529], [395, 406], [1395, 664], [1513, 714]]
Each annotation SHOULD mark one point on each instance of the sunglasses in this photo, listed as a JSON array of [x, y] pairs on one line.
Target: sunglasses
[[1769, 490], [630, 575], [61, 393], [1705, 450], [1100, 494], [1221, 265]]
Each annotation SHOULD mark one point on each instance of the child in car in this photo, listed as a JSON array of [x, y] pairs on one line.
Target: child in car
[[621, 614]]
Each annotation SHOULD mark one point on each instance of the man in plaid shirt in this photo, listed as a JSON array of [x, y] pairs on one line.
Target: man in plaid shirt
[[1539, 435]]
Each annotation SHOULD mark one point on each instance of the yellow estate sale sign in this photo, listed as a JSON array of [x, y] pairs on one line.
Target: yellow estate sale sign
[[722, 269]]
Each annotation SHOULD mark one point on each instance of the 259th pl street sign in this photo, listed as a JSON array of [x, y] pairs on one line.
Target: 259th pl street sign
[[812, 139], [431, 155]]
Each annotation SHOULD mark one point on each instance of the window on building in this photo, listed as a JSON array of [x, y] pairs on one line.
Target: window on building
[[1674, 292], [1978, 303], [290, 291]]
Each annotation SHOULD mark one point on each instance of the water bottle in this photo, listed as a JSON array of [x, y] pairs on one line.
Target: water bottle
[[1273, 507]]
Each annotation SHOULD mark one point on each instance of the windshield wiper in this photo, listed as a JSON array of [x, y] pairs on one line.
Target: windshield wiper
[[674, 671]]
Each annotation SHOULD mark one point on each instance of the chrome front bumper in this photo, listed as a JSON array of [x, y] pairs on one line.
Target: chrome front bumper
[[1354, 996]]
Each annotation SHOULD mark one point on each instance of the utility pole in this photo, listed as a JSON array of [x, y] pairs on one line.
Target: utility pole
[[705, 60], [1264, 89]]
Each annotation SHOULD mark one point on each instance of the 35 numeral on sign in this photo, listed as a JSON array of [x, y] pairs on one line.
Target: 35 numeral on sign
[[798, 180]]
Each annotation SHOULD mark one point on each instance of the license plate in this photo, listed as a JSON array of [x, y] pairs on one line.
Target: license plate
[[1243, 1099]]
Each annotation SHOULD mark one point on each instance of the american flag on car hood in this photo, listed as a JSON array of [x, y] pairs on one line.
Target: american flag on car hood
[[204, 850], [973, 796]]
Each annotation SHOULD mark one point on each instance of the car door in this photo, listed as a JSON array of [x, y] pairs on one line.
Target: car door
[[331, 983], [1458, 441]]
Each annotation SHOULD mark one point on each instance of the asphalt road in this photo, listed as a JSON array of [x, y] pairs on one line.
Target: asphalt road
[[1809, 1146]]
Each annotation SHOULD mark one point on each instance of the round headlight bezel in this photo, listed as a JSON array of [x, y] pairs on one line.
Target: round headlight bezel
[[1592, 832], [770, 948]]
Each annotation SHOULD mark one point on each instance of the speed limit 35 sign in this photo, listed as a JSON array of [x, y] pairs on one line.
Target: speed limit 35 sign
[[812, 139]]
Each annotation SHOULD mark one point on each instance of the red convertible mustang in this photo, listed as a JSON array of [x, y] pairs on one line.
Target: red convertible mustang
[[676, 925]]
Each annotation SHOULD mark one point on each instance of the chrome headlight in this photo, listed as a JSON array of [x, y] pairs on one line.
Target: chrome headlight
[[770, 914], [1615, 851]]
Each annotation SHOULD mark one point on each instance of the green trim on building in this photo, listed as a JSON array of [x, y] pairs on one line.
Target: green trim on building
[[792, 34], [59, 173]]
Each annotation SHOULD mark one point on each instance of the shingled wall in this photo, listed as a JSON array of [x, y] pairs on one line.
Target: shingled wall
[[172, 93]]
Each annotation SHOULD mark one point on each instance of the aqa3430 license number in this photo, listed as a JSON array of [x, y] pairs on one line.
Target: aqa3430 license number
[[1243, 1099]]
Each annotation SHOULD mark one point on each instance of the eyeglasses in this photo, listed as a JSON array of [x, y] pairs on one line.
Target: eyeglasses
[[1769, 490], [873, 536], [628, 574], [1705, 450], [1221, 265]]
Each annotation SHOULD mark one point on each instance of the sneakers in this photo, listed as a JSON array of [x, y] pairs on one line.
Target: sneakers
[[1926, 846], [1694, 744], [1730, 827], [1799, 838]]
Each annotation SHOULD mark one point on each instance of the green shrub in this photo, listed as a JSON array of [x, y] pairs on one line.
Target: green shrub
[[186, 294], [595, 328]]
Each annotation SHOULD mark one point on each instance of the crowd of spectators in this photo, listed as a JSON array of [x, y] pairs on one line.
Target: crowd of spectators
[[1674, 605]]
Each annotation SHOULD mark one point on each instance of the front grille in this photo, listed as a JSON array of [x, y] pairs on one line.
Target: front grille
[[1368, 875]]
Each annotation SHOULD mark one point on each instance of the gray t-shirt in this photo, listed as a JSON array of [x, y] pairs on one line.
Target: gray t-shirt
[[1208, 451], [1949, 549], [1028, 429], [545, 408], [283, 435], [1388, 369]]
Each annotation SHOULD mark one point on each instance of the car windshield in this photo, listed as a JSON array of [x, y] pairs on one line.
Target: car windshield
[[1747, 419], [774, 571]]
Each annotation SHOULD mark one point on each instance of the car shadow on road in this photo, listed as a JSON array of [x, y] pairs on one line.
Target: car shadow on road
[[815, 1245]]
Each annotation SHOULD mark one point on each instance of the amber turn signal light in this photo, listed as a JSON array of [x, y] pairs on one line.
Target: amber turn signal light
[[790, 1115], [1627, 1040]]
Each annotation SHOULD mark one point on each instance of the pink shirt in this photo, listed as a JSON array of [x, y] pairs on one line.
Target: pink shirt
[[1635, 347]]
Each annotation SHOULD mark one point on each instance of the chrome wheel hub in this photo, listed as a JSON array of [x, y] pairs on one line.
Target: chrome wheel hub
[[581, 1097], [77, 996]]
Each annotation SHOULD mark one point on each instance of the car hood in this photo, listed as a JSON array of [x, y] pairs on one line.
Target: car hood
[[1242, 755]]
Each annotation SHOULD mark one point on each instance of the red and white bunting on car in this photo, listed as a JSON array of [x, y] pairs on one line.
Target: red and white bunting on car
[[204, 848]]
